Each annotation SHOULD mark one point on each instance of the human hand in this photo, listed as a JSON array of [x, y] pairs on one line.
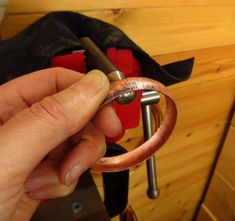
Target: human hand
[[50, 133]]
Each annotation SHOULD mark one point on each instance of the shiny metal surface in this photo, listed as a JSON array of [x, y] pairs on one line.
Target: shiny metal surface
[[152, 191], [115, 76], [150, 97], [100, 58], [127, 98]]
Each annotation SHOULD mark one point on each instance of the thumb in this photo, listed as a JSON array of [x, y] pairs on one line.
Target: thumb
[[30, 135]]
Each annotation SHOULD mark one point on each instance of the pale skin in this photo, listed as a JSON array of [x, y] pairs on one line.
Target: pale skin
[[51, 131]]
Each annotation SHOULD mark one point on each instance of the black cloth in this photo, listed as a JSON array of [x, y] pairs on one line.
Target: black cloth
[[58, 32]]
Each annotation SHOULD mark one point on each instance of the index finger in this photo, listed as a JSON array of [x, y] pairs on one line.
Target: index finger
[[33, 87], [22, 92]]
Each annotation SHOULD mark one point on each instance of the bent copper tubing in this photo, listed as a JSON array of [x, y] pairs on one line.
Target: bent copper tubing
[[144, 151]]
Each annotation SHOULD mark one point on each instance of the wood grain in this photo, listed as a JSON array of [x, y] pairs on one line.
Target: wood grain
[[23, 6], [162, 31], [213, 63], [220, 199], [233, 120], [205, 214], [226, 163], [184, 163], [169, 31], [207, 62]]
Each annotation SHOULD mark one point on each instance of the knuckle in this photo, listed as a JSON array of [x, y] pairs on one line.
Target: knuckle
[[49, 108]]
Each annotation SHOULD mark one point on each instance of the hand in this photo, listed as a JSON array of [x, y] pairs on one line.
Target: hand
[[50, 133]]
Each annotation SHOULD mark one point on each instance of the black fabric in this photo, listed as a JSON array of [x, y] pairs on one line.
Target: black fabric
[[115, 184], [58, 32]]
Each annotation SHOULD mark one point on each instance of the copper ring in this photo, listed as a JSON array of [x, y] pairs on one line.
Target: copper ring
[[144, 151]]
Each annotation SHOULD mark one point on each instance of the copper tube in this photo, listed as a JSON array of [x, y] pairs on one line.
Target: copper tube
[[144, 151]]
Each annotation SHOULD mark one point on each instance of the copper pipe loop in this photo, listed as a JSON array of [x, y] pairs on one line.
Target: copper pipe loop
[[144, 151]]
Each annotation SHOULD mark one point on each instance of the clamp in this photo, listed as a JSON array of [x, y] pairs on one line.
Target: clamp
[[148, 98], [140, 92]]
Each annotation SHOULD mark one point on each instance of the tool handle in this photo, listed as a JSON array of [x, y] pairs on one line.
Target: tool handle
[[101, 59], [152, 191]]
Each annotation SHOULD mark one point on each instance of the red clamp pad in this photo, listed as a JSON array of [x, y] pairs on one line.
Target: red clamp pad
[[128, 114], [125, 61], [74, 61]]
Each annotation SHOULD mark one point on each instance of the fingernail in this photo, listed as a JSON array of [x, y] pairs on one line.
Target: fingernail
[[33, 183], [92, 83], [73, 174], [38, 195]]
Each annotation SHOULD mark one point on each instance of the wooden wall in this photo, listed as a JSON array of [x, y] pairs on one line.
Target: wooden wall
[[168, 31], [219, 202]]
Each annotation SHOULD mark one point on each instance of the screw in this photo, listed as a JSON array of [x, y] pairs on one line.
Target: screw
[[77, 206], [127, 98]]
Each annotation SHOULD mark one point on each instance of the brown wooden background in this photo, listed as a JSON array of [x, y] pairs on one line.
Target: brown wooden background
[[168, 31], [219, 201]]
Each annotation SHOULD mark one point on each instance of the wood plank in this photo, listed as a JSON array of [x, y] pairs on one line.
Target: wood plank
[[184, 163], [188, 155], [205, 214], [163, 30], [204, 102], [208, 61], [220, 199], [226, 163], [233, 120], [176, 202], [201, 122], [23, 6]]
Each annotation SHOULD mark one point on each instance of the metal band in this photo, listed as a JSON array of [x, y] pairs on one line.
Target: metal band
[[115, 76], [144, 151]]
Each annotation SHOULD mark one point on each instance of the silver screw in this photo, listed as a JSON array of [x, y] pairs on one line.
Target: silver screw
[[77, 206], [127, 98]]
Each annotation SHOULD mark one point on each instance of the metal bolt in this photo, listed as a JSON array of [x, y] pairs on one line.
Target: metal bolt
[[148, 98], [127, 98], [107, 67], [77, 206]]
